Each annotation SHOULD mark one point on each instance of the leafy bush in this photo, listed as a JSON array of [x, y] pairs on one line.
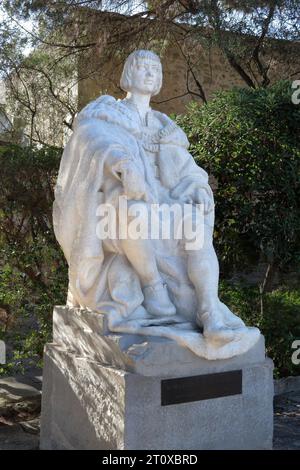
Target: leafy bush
[[279, 323], [249, 141], [33, 272]]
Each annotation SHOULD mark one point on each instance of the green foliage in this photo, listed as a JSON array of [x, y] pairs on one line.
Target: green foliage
[[279, 323], [33, 272], [248, 139]]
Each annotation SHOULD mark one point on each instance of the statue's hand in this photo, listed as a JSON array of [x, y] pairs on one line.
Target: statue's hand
[[134, 185], [201, 196], [189, 191]]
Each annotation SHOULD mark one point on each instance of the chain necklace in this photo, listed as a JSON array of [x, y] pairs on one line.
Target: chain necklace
[[143, 120]]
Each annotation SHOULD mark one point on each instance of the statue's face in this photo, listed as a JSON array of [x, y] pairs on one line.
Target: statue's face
[[145, 76]]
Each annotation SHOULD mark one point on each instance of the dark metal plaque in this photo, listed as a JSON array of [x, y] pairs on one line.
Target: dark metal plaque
[[201, 387]]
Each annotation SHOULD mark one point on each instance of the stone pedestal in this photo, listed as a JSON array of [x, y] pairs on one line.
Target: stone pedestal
[[118, 391]]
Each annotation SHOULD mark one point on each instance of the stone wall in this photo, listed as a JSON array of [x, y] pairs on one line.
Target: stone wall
[[94, 73], [212, 71]]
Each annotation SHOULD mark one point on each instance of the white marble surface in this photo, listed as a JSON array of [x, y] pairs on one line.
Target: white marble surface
[[87, 334], [125, 149], [89, 406]]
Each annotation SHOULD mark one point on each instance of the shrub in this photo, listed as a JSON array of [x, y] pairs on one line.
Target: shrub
[[249, 140], [279, 323], [33, 272]]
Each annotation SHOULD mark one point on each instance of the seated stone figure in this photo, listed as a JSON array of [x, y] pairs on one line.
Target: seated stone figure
[[124, 148]]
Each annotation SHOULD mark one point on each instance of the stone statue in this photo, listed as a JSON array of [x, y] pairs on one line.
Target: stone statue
[[124, 151]]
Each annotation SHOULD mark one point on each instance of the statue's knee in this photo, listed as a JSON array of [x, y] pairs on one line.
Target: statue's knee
[[205, 267], [200, 268], [197, 233]]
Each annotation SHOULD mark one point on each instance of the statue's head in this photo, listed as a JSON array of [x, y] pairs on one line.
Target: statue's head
[[142, 72]]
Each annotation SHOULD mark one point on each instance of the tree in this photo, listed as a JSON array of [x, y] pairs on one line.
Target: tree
[[253, 36]]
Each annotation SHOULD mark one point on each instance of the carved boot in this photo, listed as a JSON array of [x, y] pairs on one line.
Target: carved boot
[[157, 301], [214, 328], [230, 319]]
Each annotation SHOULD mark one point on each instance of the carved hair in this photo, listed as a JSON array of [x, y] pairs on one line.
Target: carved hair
[[132, 61]]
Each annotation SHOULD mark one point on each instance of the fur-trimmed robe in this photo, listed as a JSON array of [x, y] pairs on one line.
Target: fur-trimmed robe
[[107, 135]]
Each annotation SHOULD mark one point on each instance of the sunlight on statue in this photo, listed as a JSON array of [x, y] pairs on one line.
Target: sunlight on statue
[[148, 285]]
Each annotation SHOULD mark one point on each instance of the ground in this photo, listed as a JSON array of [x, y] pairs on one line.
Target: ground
[[287, 421]]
